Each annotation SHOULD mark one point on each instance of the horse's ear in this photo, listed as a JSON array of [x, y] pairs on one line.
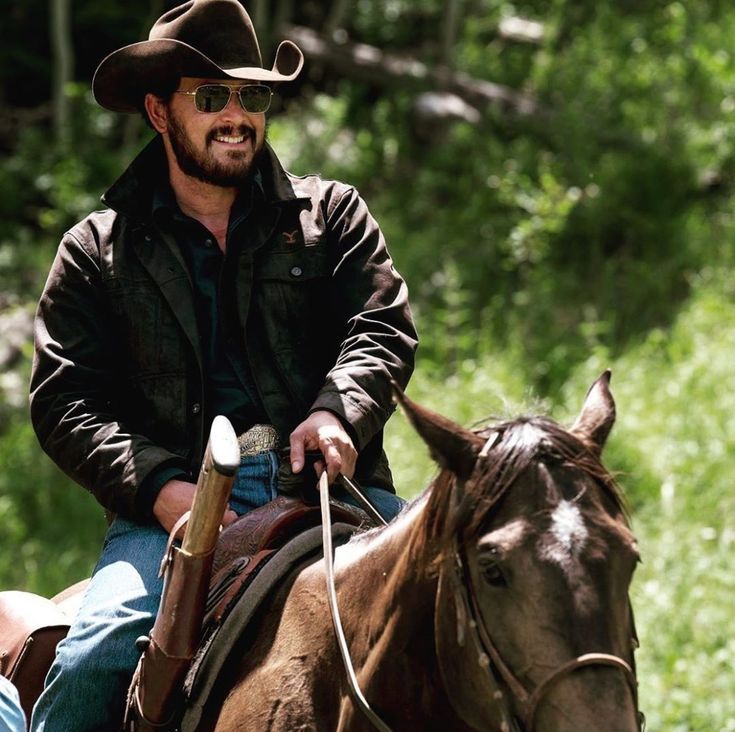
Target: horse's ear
[[452, 446], [597, 417]]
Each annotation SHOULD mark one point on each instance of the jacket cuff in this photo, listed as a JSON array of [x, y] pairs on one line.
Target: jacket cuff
[[151, 487]]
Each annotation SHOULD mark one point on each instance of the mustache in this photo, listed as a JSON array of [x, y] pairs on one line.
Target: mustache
[[231, 131]]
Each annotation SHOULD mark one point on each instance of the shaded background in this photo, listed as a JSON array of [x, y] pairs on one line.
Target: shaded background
[[555, 180]]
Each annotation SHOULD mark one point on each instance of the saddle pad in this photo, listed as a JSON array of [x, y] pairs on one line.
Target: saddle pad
[[215, 650]]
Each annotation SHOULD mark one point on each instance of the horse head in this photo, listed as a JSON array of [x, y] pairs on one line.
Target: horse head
[[534, 555]]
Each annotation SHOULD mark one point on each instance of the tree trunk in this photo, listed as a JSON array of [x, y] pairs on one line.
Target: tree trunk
[[62, 64], [336, 15], [361, 62], [283, 16], [449, 31]]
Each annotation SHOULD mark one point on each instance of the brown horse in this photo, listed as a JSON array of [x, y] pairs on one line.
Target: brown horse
[[497, 600]]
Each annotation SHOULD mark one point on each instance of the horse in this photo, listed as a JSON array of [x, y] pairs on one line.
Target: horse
[[497, 600]]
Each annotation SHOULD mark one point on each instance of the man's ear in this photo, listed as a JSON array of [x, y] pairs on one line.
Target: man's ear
[[157, 112]]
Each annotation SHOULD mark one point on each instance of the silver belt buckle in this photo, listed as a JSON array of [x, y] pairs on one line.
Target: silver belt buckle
[[258, 439]]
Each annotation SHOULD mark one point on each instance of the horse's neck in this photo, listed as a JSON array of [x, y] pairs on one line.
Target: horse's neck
[[381, 559], [387, 589], [379, 576]]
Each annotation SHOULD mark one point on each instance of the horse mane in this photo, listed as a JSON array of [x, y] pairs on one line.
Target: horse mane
[[455, 506]]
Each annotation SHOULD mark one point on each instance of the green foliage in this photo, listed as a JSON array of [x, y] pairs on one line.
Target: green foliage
[[45, 189], [580, 227], [51, 532], [676, 441], [539, 250]]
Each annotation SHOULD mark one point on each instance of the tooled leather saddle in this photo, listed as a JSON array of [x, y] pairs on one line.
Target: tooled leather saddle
[[247, 544]]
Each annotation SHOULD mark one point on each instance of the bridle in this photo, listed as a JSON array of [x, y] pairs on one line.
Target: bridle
[[470, 619], [465, 598]]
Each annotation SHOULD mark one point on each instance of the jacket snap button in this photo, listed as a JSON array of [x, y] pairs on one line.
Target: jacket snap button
[[196, 408], [296, 271], [208, 243]]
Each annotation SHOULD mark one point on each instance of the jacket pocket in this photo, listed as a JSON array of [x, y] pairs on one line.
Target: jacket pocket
[[292, 319], [151, 341], [157, 408], [292, 293]]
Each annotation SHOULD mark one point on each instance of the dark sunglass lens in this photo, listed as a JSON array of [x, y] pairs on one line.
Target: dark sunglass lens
[[212, 98], [255, 98]]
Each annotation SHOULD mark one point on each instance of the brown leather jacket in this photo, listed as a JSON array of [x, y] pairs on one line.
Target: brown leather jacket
[[117, 384]]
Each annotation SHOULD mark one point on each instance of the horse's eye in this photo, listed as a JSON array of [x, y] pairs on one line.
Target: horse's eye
[[490, 569]]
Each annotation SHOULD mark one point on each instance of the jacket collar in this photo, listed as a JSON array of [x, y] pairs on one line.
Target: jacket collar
[[132, 193]]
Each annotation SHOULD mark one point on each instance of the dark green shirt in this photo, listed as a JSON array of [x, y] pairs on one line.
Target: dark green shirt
[[229, 386]]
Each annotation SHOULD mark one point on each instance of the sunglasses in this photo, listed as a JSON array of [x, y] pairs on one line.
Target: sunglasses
[[253, 98]]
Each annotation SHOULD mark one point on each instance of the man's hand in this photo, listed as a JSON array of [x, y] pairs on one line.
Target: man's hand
[[174, 500], [323, 431]]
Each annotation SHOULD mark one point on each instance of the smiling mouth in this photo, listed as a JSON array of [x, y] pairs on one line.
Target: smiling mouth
[[231, 140], [227, 136]]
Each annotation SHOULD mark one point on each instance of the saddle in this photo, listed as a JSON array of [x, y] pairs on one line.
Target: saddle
[[31, 626], [245, 546]]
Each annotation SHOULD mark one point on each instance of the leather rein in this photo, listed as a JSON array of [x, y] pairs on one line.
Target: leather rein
[[357, 694]]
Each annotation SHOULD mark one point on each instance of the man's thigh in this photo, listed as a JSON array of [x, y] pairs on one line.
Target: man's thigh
[[86, 685]]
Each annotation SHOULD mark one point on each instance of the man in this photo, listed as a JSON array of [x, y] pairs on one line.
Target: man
[[214, 283]]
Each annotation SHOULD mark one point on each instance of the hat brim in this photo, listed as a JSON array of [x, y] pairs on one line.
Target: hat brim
[[123, 77]]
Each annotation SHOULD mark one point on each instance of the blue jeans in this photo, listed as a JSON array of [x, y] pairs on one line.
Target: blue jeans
[[12, 718], [87, 683]]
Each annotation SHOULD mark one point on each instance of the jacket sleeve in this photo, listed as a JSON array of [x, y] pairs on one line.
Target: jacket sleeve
[[371, 299], [73, 387]]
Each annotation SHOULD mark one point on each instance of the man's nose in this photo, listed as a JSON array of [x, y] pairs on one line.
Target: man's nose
[[233, 108], [234, 114], [234, 100]]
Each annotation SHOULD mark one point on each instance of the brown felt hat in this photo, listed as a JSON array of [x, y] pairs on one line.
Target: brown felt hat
[[204, 38]]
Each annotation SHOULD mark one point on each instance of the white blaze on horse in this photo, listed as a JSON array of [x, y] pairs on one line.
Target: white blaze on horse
[[498, 600]]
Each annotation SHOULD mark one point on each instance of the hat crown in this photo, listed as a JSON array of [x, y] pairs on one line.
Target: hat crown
[[212, 39], [220, 29]]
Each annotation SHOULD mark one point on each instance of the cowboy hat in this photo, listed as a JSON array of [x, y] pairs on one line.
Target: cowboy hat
[[204, 38]]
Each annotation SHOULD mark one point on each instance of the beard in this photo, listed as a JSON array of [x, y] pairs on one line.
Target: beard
[[203, 165]]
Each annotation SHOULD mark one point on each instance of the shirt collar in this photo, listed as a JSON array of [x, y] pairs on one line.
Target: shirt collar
[[165, 207]]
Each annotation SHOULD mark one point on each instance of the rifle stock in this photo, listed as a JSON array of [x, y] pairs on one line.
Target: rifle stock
[[221, 461], [154, 692]]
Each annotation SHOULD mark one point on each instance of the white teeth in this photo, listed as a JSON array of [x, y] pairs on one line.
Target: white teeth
[[230, 140]]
